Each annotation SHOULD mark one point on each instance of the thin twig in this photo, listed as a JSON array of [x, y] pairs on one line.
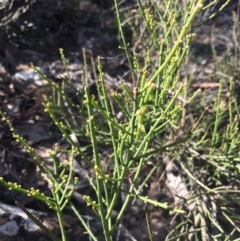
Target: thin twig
[[38, 223]]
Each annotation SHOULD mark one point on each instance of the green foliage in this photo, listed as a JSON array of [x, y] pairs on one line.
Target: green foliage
[[151, 111]]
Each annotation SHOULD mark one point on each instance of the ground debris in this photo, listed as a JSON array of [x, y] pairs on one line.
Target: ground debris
[[16, 226]]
